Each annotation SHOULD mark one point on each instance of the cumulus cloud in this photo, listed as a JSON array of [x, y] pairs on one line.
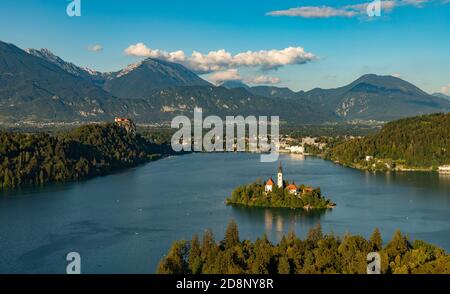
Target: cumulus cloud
[[222, 60], [262, 80], [95, 48], [227, 75], [344, 11], [141, 50], [233, 75], [446, 89]]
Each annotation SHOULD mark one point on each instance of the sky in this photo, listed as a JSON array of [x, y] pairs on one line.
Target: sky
[[301, 44]]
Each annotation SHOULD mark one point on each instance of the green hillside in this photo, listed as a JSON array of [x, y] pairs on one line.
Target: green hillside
[[29, 159], [417, 142]]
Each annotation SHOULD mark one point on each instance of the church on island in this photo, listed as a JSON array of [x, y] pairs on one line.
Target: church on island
[[281, 184]]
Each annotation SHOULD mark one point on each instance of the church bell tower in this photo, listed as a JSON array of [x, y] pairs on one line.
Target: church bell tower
[[280, 176]]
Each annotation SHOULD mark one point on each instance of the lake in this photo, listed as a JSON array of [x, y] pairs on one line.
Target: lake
[[125, 222]]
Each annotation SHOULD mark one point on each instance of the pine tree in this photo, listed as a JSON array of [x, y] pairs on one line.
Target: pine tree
[[195, 258], [315, 234], [175, 262], [231, 235], [398, 246], [283, 265], [376, 242]]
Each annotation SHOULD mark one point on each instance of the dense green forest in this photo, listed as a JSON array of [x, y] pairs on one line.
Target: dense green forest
[[318, 253], [254, 195], [29, 159], [417, 142]]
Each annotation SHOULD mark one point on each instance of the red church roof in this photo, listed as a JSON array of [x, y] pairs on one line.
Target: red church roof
[[292, 187], [270, 182]]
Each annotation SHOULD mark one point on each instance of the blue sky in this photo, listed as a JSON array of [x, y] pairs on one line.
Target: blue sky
[[410, 39]]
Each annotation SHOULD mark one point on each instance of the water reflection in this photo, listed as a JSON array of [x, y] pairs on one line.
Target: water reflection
[[300, 157], [430, 180], [279, 221], [444, 179]]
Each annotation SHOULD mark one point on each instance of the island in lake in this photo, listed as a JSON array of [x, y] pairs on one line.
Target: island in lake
[[282, 195]]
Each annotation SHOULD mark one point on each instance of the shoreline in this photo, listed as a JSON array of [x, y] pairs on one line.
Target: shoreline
[[112, 172], [305, 208], [401, 169]]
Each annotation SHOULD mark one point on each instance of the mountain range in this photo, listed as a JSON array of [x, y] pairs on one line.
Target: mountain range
[[38, 86]]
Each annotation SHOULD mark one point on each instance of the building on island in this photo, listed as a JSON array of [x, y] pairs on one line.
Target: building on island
[[445, 169], [269, 185], [126, 123], [292, 188], [280, 183], [308, 190]]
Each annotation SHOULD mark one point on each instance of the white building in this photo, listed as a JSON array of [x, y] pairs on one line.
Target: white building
[[445, 169], [297, 149], [308, 141], [369, 158], [269, 185], [293, 189], [280, 177]]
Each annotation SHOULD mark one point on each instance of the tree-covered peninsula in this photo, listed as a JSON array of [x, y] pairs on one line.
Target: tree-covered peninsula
[[90, 150], [416, 143], [317, 254], [288, 196]]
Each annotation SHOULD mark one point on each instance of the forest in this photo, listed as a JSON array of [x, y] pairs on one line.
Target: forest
[[416, 142], [87, 151], [318, 253]]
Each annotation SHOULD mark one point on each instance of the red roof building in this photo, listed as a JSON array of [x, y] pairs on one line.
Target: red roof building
[[269, 185], [292, 187]]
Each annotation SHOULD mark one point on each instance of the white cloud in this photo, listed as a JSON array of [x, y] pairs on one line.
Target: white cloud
[[227, 75], [417, 3], [233, 75], [95, 48], [397, 75], [141, 50], [272, 59], [222, 60], [261, 80], [314, 12], [446, 89], [346, 10]]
